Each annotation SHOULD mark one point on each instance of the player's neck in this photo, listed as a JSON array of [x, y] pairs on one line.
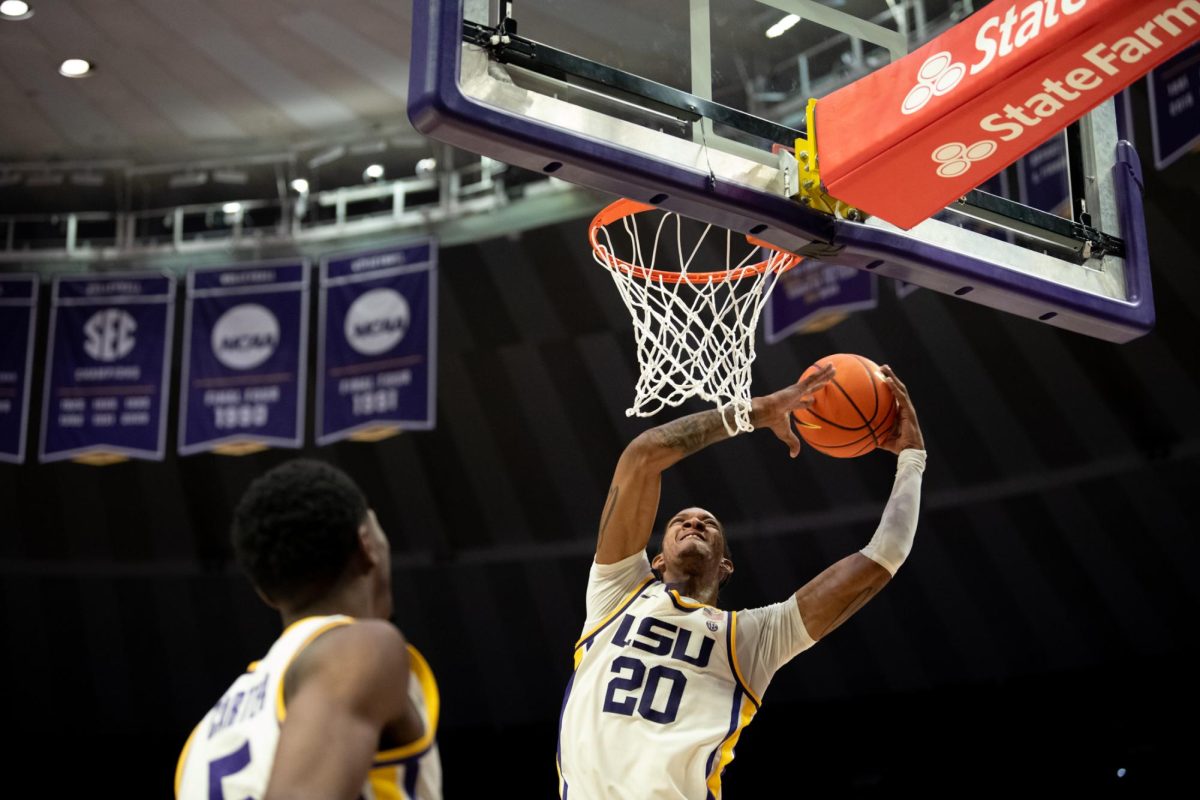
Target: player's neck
[[698, 587], [351, 600]]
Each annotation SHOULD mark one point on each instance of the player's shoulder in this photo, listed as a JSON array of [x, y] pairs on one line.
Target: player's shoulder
[[361, 649], [360, 636]]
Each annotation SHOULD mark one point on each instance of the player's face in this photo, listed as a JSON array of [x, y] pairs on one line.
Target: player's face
[[383, 566], [693, 535]]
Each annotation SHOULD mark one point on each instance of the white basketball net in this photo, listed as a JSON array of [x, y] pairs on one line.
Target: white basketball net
[[694, 339]]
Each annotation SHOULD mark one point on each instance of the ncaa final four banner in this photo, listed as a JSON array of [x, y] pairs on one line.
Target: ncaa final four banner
[[376, 351], [107, 364], [18, 317], [245, 341]]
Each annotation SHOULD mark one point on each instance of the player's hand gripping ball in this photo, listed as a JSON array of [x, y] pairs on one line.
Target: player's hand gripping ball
[[852, 414]]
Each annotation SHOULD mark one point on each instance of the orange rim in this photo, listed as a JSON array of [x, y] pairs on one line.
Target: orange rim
[[625, 208]]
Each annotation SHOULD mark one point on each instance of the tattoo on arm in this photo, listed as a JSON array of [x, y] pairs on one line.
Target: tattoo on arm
[[692, 433], [609, 506]]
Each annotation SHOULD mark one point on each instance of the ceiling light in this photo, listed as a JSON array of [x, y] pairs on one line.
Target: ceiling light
[[327, 156], [300, 185], [785, 24], [373, 172], [236, 177], [15, 10], [363, 148], [426, 167], [75, 67], [232, 208], [186, 180]]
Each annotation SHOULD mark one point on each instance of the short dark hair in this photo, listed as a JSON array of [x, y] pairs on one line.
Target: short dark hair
[[296, 527]]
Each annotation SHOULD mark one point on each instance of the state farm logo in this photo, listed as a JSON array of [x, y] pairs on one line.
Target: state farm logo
[[245, 336], [108, 334], [955, 158], [939, 74], [377, 321]]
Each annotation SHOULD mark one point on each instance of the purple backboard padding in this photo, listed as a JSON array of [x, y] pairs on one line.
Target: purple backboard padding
[[439, 109], [1127, 177]]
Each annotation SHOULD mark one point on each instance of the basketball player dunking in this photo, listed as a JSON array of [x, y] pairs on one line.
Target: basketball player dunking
[[664, 681], [341, 706]]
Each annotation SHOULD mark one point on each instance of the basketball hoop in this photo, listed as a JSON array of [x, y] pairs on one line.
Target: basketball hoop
[[694, 330]]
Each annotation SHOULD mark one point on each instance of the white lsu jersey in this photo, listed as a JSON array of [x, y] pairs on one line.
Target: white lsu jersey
[[663, 687], [230, 753]]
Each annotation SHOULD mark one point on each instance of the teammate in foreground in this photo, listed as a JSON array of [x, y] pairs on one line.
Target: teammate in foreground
[[664, 681], [341, 706]]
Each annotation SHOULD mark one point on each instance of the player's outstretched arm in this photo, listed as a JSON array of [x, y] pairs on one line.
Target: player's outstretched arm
[[832, 597], [628, 518], [347, 688]]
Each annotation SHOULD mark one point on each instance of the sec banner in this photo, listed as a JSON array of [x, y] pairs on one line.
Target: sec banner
[[244, 355], [18, 315], [108, 359], [376, 351]]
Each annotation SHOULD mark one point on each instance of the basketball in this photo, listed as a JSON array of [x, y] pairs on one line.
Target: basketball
[[853, 413]]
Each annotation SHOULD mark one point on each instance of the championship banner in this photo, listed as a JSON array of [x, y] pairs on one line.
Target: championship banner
[[813, 296], [18, 319], [1175, 107], [985, 93], [1043, 178], [107, 365], [376, 351], [245, 345]]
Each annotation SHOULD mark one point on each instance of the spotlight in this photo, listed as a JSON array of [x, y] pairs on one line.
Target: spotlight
[[300, 186], [232, 208], [426, 167], [75, 67], [373, 173], [15, 10], [781, 27]]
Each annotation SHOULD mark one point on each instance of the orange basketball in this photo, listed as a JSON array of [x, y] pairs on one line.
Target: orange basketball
[[853, 413]]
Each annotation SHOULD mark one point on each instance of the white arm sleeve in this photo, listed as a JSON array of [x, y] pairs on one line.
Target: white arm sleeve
[[894, 537], [608, 584], [768, 638]]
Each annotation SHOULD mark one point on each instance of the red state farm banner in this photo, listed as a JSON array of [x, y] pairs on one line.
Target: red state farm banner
[[952, 114]]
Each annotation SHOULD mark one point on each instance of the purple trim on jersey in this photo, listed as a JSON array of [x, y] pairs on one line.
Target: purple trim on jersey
[[730, 622], [410, 777], [633, 595], [562, 713], [734, 715]]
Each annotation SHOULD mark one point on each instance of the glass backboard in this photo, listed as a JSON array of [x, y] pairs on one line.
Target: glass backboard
[[696, 105]]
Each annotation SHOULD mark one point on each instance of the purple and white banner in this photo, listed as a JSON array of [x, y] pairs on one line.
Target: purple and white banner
[[18, 319], [245, 342], [1043, 179], [813, 296], [1175, 106], [377, 343], [107, 364]]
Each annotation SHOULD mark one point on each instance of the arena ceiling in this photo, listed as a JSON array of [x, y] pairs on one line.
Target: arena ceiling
[[1051, 591]]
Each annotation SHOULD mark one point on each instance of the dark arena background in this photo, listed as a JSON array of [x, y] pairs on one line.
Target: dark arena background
[[1042, 636]]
